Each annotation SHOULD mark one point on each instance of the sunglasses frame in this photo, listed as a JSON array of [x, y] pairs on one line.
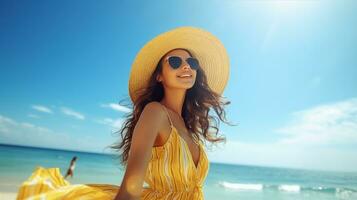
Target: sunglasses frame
[[193, 68]]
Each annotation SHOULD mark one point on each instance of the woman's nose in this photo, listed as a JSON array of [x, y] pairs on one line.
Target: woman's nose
[[186, 66]]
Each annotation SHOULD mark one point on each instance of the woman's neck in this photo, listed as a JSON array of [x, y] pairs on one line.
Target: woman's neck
[[174, 100]]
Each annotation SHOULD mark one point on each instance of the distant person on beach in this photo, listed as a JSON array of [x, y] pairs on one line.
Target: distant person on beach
[[71, 167]]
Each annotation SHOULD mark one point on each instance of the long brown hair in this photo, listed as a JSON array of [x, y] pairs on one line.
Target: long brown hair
[[195, 112]]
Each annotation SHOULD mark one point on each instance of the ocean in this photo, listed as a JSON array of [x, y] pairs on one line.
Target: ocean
[[224, 181]]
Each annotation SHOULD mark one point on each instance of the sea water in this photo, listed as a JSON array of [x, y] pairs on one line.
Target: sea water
[[224, 181]]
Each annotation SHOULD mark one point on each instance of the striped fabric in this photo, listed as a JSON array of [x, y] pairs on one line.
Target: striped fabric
[[171, 174]]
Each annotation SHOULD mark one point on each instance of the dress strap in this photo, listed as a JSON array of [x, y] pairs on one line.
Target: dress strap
[[167, 113]]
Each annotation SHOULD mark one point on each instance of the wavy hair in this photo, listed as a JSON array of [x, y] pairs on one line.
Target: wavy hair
[[195, 112]]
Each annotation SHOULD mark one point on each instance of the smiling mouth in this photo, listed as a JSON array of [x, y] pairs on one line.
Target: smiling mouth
[[184, 76]]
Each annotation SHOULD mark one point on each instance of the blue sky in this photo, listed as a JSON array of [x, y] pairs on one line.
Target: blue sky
[[65, 66]]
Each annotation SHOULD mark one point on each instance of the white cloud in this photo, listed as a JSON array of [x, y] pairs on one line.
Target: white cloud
[[334, 123], [3, 121], [23, 133], [114, 123], [70, 112], [322, 137], [33, 116], [42, 108], [117, 107], [279, 155]]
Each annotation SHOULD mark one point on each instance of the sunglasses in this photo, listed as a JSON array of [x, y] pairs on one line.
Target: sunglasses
[[176, 61]]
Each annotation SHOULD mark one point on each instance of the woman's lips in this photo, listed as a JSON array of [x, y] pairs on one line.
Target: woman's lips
[[186, 77]]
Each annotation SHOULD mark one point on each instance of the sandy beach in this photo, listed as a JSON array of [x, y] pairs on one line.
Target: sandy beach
[[7, 195]]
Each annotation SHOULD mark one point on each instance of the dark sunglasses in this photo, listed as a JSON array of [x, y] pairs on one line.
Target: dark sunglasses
[[176, 61]]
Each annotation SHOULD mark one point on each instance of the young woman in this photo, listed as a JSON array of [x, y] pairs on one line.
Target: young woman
[[175, 80]]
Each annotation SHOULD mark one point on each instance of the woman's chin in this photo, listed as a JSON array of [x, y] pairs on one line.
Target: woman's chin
[[187, 87], [184, 86]]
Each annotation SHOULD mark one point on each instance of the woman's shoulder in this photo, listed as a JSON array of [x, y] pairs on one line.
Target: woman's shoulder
[[154, 104], [156, 112], [154, 109]]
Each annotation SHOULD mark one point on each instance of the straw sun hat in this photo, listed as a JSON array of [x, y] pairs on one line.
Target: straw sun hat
[[204, 46]]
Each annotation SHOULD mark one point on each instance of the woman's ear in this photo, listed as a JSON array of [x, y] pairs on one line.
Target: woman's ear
[[158, 78]]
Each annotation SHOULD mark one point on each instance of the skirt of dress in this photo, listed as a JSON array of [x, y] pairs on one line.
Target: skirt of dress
[[48, 183]]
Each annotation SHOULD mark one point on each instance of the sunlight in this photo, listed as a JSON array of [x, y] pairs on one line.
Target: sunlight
[[287, 6]]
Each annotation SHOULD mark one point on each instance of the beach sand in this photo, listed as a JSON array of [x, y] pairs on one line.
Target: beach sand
[[7, 195]]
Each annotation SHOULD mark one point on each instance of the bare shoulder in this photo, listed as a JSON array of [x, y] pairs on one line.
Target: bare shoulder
[[152, 117], [155, 111], [154, 106]]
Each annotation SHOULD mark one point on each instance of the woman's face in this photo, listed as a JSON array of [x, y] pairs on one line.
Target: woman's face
[[172, 77]]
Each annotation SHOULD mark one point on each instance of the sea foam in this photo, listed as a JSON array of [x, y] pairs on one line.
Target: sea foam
[[241, 186], [289, 188]]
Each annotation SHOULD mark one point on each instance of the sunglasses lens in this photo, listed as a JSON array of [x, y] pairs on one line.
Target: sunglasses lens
[[193, 62], [175, 62]]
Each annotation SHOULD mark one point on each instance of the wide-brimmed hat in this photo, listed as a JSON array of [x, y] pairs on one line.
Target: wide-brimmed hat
[[203, 45]]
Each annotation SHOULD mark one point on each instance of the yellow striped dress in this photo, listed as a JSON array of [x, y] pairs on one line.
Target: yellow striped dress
[[171, 174]]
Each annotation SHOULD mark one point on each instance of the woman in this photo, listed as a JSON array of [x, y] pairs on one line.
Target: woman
[[70, 170], [176, 78]]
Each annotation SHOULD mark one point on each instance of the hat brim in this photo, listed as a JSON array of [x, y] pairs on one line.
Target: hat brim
[[208, 49]]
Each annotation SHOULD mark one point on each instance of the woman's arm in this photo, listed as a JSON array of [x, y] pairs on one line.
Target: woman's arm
[[146, 129]]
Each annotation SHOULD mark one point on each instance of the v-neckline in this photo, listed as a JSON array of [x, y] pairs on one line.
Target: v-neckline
[[184, 141], [191, 157]]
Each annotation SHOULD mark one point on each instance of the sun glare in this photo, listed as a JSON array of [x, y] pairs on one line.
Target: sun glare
[[287, 7]]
